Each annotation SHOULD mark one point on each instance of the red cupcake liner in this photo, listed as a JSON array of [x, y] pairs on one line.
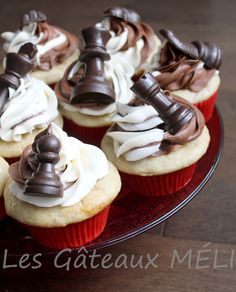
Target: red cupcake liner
[[85, 134], [52, 85], [2, 208], [159, 185], [11, 160], [207, 106], [73, 235]]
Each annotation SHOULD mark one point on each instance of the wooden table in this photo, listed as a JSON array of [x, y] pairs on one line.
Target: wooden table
[[204, 231]]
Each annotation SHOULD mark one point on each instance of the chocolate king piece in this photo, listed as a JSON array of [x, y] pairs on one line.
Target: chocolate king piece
[[92, 87], [174, 115], [17, 66], [44, 181]]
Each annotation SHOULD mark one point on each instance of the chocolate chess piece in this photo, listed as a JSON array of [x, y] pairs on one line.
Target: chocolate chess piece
[[33, 16], [44, 181], [92, 87], [207, 52], [174, 115], [32, 157], [17, 66], [125, 14]]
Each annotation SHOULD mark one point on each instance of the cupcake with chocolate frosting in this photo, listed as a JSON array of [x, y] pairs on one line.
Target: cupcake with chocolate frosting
[[3, 178], [156, 142], [61, 189], [190, 71], [27, 105], [131, 38], [91, 86], [57, 48]]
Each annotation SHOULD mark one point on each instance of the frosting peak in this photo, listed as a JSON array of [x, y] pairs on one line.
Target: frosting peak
[[32, 105], [131, 38]]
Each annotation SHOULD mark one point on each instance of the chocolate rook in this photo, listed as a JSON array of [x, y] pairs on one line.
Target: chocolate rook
[[92, 87], [17, 66], [174, 115]]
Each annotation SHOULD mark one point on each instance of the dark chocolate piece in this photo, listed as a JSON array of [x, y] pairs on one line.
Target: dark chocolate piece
[[44, 181], [126, 14], [32, 157], [92, 87], [174, 115], [207, 52], [17, 66], [33, 16]]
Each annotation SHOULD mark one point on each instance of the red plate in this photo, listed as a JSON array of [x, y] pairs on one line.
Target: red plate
[[130, 215]]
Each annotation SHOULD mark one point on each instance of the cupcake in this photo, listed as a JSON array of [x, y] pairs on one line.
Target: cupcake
[[131, 38], [61, 190], [190, 71], [90, 87], [57, 48], [156, 142], [3, 179], [27, 105]]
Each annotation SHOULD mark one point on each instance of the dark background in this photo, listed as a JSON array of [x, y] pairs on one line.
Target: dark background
[[211, 217]]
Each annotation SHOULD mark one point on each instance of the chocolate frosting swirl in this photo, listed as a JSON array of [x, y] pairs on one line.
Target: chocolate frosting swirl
[[179, 71], [121, 18], [58, 54]]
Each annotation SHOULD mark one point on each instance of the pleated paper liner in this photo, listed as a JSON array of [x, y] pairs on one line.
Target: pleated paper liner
[[207, 106], [158, 185], [85, 134], [73, 235], [2, 208]]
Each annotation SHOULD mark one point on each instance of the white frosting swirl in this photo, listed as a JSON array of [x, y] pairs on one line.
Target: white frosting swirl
[[116, 42], [118, 73], [32, 105], [140, 138], [80, 166], [14, 40]]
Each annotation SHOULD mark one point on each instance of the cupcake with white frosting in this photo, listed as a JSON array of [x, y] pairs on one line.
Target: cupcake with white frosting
[[27, 105], [190, 71], [156, 151], [3, 178], [88, 118], [57, 48], [131, 38], [61, 189]]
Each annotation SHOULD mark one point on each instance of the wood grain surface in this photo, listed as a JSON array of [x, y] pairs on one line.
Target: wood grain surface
[[208, 222]]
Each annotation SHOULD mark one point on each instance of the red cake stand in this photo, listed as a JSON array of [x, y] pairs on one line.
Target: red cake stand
[[130, 215]]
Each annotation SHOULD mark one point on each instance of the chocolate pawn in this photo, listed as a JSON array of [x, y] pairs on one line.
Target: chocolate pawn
[[207, 52], [44, 181], [32, 157], [93, 87], [17, 66], [174, 115]]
